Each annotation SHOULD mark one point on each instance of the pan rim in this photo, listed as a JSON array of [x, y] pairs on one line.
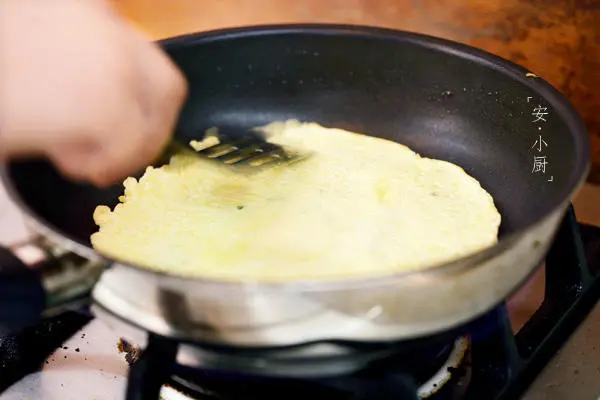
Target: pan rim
[[557, 100]]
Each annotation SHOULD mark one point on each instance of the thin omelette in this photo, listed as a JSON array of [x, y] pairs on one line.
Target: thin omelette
[[358, 206]]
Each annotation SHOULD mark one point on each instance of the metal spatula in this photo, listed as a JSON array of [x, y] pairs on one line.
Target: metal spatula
[[249, 151]]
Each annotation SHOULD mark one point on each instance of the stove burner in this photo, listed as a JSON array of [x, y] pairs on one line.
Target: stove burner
[[431, 378], [444, 374], [170, 393], [425, 391]]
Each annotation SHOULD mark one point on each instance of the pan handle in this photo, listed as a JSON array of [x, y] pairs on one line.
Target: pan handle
[[39, 280], [22, 296]]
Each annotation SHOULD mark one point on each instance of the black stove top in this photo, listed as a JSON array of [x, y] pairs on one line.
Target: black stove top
[[481, 360]]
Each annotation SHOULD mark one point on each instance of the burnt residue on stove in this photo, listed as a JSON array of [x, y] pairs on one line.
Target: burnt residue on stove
[[27, 351], [132, 353]]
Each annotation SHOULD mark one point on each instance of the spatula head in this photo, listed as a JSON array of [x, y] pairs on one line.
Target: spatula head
[[246, 152]]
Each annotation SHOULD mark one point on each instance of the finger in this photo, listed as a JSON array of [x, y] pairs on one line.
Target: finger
[[107, 156], [162, 114], [132, 148], [160, 91], [120, 157], [162, 94], [73, 160]]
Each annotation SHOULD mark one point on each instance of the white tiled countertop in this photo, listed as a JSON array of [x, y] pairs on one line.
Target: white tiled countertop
[[98, 371]]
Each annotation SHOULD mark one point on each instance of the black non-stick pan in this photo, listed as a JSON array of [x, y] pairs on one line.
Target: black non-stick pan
[[442, 99]]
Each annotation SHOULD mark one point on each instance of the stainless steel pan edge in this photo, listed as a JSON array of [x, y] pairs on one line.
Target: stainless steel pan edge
[[398, 309]]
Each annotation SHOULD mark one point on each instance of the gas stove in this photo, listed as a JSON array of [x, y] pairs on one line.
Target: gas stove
[[481, 360]]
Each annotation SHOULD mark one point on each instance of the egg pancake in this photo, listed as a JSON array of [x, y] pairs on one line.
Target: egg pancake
[[359, 206]]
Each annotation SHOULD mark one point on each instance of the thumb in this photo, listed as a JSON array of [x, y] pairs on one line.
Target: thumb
[[74, 160]]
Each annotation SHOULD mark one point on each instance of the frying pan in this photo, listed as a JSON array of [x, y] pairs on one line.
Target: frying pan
[[442, 99]]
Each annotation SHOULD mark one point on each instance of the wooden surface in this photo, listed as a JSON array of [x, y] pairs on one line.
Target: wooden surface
[[557, 39]]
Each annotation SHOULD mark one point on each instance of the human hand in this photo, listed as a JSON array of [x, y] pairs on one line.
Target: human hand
[[82, 88]]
